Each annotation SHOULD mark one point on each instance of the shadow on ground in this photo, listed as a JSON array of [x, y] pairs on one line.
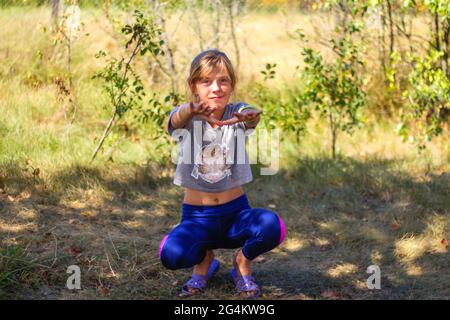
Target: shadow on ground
[[341, 217]]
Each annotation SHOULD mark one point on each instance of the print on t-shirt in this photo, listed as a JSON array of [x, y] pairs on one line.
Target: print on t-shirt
[[213, 161]]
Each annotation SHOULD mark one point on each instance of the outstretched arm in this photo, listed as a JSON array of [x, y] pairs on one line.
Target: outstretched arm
[[248, 114], [186, 112]]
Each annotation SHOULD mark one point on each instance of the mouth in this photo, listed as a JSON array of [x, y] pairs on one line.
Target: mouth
[[216, 98]]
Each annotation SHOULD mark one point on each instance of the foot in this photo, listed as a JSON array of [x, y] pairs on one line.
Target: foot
[[242, 277], [201, 274]]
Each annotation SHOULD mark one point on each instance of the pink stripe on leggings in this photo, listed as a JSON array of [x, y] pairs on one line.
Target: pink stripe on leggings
[[162, 244], [283, 230]]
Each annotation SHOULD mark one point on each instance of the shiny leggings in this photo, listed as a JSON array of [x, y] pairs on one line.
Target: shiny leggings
[[231, 225]]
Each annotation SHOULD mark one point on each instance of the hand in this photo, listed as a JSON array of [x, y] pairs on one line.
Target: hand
[[204, 111], [249, 116]]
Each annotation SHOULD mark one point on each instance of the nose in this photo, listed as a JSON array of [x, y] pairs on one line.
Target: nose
[[215, 86]]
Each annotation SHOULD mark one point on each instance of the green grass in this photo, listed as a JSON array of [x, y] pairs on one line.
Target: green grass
[[17, 270], [379, 203]]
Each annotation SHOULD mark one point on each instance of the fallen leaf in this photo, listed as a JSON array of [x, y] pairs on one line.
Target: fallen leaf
[[10, 198], [444, 243], [103, 291], [394, 226], [272, 206], [74, 250]]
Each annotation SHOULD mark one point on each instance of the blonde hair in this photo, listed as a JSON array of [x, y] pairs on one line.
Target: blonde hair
[[204, 64]]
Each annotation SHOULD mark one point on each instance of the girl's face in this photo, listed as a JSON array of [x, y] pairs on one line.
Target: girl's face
[[215, 89]]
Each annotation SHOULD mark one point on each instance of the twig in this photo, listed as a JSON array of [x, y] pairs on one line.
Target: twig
[[141, 274], [178, 23], [135, 254], [109, 236], [115, 113], [110, 268], [105, 133], [56, 251], [196, 23], [115, 35]]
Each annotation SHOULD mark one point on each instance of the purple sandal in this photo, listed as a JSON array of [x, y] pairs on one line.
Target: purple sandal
[[245, 284], [198, 281]]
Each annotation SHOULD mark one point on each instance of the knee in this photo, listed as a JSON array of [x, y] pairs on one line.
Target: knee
[[171, 254], [272, 226]]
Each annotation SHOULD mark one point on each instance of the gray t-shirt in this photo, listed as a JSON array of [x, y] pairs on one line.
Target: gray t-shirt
[[212, 159]]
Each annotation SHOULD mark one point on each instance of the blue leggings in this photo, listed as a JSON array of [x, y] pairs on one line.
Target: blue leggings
[[231, 225]]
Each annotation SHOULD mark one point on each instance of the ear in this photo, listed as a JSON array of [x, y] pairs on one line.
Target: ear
[[192, 87]]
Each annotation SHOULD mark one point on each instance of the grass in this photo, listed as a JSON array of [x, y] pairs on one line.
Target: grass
[[378, 203], [341, 217]]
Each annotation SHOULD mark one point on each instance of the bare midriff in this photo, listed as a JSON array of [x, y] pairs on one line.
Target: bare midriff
[[200, 198]]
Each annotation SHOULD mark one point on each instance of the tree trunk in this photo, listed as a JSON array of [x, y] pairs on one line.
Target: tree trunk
[[391, 27], [333, 135], [341, 17], [233, 34], [383, 37], [166, 46], [445, 45], [436, 32], [196, 23], [106, 7], [217, 22], [405, 30], [56, 6]]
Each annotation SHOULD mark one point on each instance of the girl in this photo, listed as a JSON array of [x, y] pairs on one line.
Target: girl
[[215, 210]]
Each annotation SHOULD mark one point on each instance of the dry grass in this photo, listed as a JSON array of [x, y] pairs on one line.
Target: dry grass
[[380, 204], [341, 217]]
